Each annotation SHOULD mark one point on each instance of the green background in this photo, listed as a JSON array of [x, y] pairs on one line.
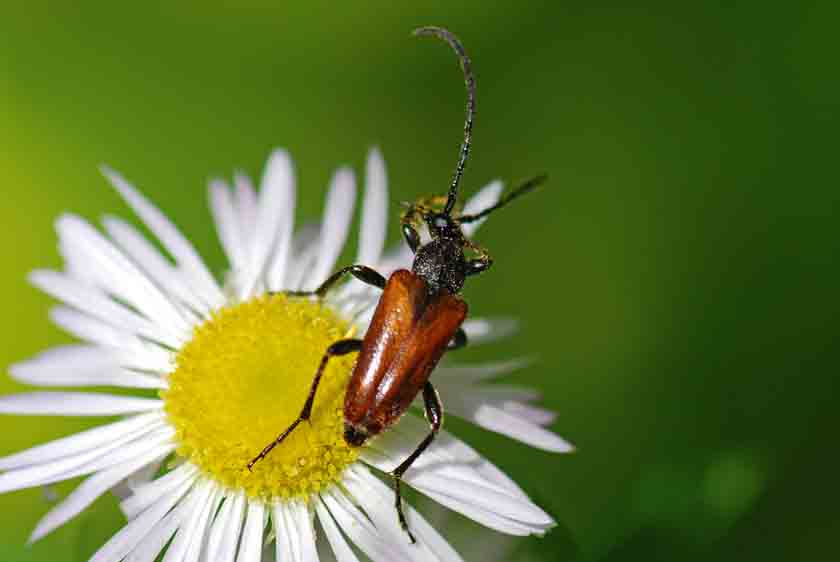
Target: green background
[[676, 278]]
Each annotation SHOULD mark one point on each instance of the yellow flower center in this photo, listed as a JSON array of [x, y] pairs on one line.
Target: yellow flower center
[[243, 379]]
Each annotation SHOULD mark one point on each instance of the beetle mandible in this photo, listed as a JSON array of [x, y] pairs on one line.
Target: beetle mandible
[[419, 314]]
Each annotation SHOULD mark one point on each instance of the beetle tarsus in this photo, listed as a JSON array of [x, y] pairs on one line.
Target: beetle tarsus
[[399, 505], [434, 414], [280, 438]]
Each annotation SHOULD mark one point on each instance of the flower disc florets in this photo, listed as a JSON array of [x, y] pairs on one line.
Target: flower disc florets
[[243, 378]]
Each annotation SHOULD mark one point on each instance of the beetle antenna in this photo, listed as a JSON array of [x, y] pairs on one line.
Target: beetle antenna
[[521, 190], [469, 79]]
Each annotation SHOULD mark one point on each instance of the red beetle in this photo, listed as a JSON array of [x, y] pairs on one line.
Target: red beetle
[[418, 317]]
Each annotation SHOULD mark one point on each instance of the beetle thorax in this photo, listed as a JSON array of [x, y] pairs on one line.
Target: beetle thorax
[[441, 264]]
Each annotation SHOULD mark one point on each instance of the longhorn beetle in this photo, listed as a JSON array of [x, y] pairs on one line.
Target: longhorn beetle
[[419, 314]]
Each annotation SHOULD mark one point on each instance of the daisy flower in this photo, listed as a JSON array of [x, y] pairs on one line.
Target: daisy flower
[[231, 364]]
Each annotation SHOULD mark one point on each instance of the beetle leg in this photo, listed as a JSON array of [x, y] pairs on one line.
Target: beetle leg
[[363, 273], [458, 341], [434, 415], [479, 265], [341, 347], [412, 238]]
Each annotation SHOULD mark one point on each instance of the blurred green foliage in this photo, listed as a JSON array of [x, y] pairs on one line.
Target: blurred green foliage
[[677, 278]]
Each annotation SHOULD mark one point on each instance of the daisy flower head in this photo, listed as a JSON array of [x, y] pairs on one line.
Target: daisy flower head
[[232, 364]]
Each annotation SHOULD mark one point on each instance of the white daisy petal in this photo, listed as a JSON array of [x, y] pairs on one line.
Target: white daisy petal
[[306, 248], [487, 330], [149, 494], [248, 209], [224, 536], [374, 211], [274, 223], [335, 225], [226, 218], [497, 393], [146, 357], [80, 464], [198, 542], [286, 534], [90, 329], [139, 447], [468, 374], [159, 269], [280, 174], [458, 483], [80, 442], [487, 518], [159, 536], [137, 529], [304, 522], [192, 530], [379, 503], [446, 472], [109, 269], [250, 547], [295, 533], [74, 404], [486, 197], [496, 419], [170, 237], [95, 303], [447, 450], [80, 365], [529, 412], [89, 490], [340, 548], [138, 478], [357, 527], [164, 530]]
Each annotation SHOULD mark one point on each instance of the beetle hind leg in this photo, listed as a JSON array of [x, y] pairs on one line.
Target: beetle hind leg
[[341, 347], [434, 415]]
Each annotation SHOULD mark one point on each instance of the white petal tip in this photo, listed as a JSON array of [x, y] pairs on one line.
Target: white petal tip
[[112, 176], [66, 219], [375, 157], [278, 161], [344, 178], [18, 371], [560, 445], [36, 277], [216, 184], [36, 535]]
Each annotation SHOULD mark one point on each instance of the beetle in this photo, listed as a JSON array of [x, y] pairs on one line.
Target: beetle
[[418, 317]]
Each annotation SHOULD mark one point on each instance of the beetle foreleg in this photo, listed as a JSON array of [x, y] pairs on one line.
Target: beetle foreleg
[[341, 347], [434, 415], [363, 273]]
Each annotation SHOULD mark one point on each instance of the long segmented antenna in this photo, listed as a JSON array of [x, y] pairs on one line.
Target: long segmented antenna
[[521, 190], [469, 79]]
